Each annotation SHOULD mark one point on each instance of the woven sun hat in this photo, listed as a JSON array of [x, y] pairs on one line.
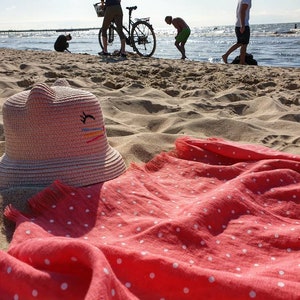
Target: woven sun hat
[[56, 133]]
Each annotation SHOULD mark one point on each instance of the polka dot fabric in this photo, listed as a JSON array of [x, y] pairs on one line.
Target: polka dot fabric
[[210, 220]]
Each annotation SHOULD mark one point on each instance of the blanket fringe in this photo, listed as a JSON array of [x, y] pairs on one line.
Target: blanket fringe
[[12, 213], [49, 196], [157, 162]]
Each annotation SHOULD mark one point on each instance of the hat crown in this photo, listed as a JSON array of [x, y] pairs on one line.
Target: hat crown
[[53, 122], [41, 92]]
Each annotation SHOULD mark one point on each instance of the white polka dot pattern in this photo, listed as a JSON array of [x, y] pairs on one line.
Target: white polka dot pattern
[[213, 220]]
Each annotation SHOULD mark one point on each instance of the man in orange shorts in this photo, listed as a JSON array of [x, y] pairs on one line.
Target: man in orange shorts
[[183, 33]]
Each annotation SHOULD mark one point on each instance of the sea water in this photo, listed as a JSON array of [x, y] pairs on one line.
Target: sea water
[[270, 44]]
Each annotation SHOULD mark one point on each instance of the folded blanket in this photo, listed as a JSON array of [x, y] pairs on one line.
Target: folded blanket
[[210, 220]]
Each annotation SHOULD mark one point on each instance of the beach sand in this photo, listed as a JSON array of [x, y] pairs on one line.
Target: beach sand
[[147, 103]]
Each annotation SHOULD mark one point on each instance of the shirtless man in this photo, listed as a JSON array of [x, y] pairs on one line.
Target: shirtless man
[[183, 33]]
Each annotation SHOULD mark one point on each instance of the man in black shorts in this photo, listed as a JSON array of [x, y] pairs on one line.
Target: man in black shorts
[[242, 31]]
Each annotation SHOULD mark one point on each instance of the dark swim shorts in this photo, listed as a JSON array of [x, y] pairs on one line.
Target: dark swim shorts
[[183, 35], [243, 38]]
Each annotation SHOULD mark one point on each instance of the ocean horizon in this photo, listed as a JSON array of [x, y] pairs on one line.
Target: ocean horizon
[[270, 44]]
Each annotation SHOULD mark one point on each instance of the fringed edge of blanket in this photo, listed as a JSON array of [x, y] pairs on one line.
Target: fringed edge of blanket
[[12, 213], [42, 200], [49, 196]]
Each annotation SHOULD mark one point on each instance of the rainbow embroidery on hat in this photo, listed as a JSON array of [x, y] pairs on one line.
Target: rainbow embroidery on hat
[[93, 133]]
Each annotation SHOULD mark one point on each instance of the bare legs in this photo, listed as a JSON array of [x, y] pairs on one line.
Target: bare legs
[[104, 39], [243, 54], [230, 50], [114, 14], [180, 47], [119, 24], [123, 43], [233, 48]]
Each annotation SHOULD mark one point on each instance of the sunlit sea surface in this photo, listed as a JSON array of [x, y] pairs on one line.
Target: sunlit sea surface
[[271, 44]]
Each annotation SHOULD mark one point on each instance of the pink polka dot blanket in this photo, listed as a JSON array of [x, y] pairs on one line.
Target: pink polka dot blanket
[[211, 219]]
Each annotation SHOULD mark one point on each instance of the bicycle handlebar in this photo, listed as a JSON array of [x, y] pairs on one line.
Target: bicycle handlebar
[[129, 7], [132, 7]]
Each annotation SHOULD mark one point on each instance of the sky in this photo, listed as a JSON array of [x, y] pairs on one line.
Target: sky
[[55, 14]]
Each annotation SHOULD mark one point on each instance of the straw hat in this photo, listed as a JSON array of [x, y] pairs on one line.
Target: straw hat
[[56, 133]]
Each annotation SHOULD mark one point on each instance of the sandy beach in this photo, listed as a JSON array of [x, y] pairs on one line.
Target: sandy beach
[[148, 103]]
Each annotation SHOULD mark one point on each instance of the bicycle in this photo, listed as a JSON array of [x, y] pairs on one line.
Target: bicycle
[[139, 34]]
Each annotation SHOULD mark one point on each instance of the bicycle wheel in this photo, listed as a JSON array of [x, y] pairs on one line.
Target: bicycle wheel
[[113, 40], [143, 38]]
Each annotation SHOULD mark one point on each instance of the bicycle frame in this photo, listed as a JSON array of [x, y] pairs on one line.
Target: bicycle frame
[[138, 34], [130, 22], [126, 29]]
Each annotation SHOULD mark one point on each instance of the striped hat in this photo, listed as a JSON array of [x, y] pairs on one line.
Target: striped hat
[[56, 133]]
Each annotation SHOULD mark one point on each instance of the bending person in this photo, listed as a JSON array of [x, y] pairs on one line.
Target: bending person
[[61, 44], [183, 33]]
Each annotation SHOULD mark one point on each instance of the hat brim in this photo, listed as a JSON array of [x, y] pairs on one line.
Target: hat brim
[[74, 171]]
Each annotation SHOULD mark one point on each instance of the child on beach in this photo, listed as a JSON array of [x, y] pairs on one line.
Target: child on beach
[[183, 33], [61, 44]]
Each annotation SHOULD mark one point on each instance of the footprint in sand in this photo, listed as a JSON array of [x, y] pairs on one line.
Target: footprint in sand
[[25, 83], [276, 140]]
